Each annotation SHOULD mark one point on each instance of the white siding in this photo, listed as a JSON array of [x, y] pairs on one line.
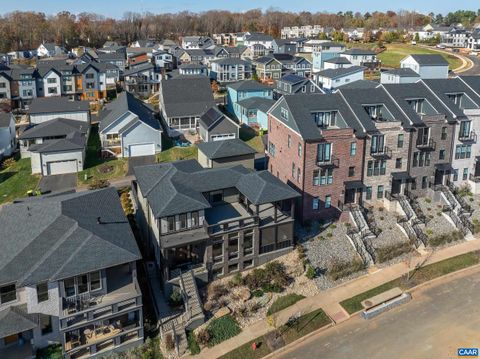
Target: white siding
[[43, 117]]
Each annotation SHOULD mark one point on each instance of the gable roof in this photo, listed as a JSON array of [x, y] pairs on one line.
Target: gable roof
[[249, 85], [54, 237], [429, 59], [224, 149], [473, 82], [54, 128], [338, 60], [178, 187], [15, 319], [212, 116], [57, 104], [344, 71], [186, 96], [402, 72], [260, 103], [127, 102], [359, 84], [357, 51]]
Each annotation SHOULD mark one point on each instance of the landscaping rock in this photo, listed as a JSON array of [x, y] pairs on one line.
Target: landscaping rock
[[222, 312]]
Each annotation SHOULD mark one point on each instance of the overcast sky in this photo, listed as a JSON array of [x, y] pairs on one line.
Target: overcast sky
[[116, 8]]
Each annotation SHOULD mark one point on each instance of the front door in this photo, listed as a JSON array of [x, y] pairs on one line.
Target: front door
[[438, 177], [396, 186], [350, 196]]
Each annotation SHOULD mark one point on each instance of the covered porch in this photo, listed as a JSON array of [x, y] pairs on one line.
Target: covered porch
[[16, 333]]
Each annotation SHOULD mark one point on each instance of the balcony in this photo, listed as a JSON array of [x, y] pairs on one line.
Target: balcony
[[330, 162], [123, 294], [383, 152], [112, 143], [467, 137], [428, 145]]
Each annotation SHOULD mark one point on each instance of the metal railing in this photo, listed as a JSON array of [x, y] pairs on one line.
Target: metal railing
[[467, 137], [330, 162], [426, 145], [384, 152]]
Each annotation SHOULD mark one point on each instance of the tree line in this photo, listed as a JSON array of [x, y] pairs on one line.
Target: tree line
[[26, 30]]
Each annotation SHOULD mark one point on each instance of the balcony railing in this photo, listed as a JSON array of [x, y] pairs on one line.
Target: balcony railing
[[474, 178], [112, 143], [426, 145], [467, 137], [235, 224], [330, 162], [383, 152]]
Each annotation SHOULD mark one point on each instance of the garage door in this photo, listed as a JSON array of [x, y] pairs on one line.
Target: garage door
[[60, 167], [145, 149], [223, 137]]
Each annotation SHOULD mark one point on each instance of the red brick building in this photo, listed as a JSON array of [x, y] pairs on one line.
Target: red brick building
[[316, 146]]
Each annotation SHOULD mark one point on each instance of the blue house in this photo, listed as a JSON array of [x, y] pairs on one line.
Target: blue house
[[253, 111], [242, 90]]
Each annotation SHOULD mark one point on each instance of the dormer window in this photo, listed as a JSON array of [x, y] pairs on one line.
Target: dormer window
[[455, 97], [417, 104], [8, 293], [378, 112], [324, 119]]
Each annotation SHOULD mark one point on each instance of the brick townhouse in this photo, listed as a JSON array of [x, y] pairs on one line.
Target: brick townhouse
[[316, 146]]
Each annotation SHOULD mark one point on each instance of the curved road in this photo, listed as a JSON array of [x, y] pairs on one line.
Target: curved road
[[442, 317], [475, 70]]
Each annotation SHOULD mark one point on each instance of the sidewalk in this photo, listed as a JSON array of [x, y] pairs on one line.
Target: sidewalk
[[329, 300]]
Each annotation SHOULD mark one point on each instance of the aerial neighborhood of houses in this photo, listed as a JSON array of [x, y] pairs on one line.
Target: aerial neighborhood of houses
[[197, 160]]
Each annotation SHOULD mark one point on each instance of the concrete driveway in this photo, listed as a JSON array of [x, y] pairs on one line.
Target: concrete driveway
[[139, 161], [442, 317], [58, 183]]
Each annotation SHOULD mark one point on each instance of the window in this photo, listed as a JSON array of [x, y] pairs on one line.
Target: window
[[400, 139], [8, 293], [182, 221], [413, 184], [465, 174], [368, 192], [444, 133], [323, 177], [324, 152], [328, 201], [82, 284], [171, 224], [377, 144], [398, 163], [464, 129], [195, 221], [315, 203], [69, 287], [52, 90], [217, 252], [299, 150], [293, 170], [289, 141], [284, 113], [353, 149], [424, 182], [232, 268], [376, 168], [298, 174], [380, 192], [455, 175], [46, 324], [217, 272], [95, 281], [89, 76], [351, 171], [51, 80], [271, 149], [324, 119], [42, 292], [248, 264], [233, 245], [463, 151], [423, 136], [441, 155], [248, 243]]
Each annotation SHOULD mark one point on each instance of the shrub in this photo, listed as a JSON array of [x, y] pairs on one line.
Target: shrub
[[464, 190], [445, 238], [221, 329], [337, 270], [50, 352], [98, 183], [176, 298], [192, 344], [236, 280], [257, 293], [169, 343], [203, 337], [329, 234], [381, 209], [272, 278], [9, 162], [428, 200], [389, 252], [310, 272], [216, 290]]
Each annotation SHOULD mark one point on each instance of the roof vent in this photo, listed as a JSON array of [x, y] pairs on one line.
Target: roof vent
[[99, 220]]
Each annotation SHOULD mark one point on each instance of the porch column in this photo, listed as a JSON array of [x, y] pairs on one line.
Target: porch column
[[275, 212], [292, 208], [257, 209]]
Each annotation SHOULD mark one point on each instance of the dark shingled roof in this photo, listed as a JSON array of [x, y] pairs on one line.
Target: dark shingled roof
[[54, 128], [186, 96], [430, 59], [126, 102], [334, 73], [231, 61], [249, 85], [403, 72], [212, 116], [178, 187], [5, 119], [357, 51], [224, 149], [360, 84], [57, 104], [15, 319], [473, 82], [259, 103], [54, 237], [338, 60], [301, 107]]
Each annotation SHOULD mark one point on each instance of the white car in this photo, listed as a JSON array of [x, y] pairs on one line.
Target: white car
[[440, 46]]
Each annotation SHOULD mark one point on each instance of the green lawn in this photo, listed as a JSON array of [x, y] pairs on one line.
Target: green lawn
[[306, 324], [395, 52], [16, 180], [97, 168], [251, 138], [284, 302], [178, 153], [422, 275]]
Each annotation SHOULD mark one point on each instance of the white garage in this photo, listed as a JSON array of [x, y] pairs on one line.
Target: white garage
[[143, 149], [222, 137], [61, 167]]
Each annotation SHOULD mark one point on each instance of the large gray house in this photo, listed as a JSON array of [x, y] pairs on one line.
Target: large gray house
[[214, 125], [68, 275]]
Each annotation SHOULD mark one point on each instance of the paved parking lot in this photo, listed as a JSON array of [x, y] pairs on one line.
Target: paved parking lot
[[58, 183]]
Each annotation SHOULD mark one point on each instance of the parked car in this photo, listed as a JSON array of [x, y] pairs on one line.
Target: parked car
[[440, 46]]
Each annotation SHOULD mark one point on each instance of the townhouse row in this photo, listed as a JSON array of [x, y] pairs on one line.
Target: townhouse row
[[358, 145]]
